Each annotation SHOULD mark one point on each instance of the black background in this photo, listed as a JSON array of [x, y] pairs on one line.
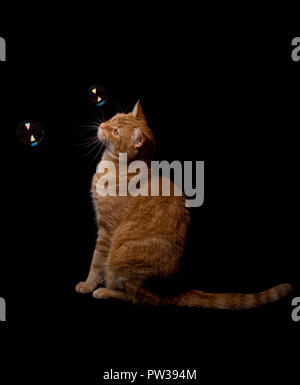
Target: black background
[[228, 97]]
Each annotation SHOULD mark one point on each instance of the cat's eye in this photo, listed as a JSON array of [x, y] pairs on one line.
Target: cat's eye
[[115, 131]]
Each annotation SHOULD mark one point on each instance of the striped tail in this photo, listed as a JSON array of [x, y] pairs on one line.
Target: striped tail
[[197, 298]]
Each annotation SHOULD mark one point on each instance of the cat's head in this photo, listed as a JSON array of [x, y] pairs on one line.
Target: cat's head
[[128, 133]]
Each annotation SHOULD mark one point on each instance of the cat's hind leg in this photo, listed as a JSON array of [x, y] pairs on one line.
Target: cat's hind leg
[[127, 288]]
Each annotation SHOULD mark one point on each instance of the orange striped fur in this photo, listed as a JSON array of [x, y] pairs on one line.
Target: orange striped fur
[[142, 238]]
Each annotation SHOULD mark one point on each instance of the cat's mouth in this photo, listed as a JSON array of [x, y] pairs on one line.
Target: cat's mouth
[[101, 135]]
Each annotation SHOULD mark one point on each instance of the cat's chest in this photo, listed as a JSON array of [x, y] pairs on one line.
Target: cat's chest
[[109, 206]]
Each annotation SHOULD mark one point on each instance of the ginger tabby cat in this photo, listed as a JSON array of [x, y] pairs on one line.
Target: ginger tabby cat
[[142, 238]]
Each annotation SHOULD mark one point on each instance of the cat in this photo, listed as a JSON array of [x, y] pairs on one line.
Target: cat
[[142, 238]]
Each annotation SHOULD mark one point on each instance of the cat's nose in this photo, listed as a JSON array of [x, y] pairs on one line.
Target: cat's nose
[[104, 125]]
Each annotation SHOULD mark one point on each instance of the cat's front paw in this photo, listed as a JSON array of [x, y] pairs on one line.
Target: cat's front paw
[[102, 293], [83, 288]]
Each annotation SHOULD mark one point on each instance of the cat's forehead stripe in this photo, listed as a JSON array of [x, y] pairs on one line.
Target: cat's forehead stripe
[[122, 118]]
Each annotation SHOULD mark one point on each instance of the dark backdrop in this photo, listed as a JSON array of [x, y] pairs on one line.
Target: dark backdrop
[[225, 97]]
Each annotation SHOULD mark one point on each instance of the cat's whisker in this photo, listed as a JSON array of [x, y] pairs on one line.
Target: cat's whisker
[[88, 143], [103, 118], [127, 108], [118, 107], [91, 128], [93, 148], [87, 124], [87, 132], [87, 136], [98, 153]]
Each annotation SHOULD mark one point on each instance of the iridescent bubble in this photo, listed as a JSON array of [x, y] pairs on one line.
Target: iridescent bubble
[[97, 95], [30, 133]]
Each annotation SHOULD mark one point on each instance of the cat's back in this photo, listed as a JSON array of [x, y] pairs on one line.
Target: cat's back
[[160, 210]]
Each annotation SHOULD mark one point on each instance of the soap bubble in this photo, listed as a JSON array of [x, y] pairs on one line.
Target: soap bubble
[[97, 95], [30, 133]]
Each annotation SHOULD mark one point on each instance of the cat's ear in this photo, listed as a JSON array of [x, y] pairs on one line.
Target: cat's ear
[[138, 138], [137, 111]]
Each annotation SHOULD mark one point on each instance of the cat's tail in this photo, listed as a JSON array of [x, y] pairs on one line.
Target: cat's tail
[[197, 298]]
